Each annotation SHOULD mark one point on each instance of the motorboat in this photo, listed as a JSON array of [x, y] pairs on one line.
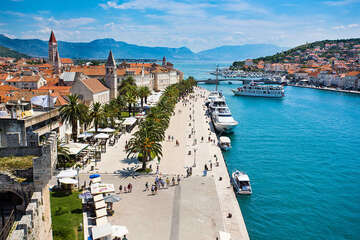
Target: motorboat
[[222, 119], [241, 183], [256, 90], [225, 143], [213, 95]]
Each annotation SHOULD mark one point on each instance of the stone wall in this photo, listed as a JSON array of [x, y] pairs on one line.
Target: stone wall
[[36, 222], [20, 151]]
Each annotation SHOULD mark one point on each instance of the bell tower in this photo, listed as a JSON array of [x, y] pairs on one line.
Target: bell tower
[[53, 48], [111, 75]]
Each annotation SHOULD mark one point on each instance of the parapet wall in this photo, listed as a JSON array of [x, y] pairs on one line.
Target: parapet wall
[[36, 222]]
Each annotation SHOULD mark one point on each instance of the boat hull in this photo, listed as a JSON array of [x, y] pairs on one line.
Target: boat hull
[[249, 94], [224, 127]]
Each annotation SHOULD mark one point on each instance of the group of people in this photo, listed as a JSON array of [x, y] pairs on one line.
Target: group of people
[[127, 189], [188, 171], [160, 183], [171, 139]]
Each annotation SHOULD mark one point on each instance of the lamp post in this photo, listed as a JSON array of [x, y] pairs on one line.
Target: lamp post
[[78, 170], [195, 149]]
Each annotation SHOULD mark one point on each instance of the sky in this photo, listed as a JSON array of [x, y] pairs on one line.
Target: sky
[[196, 24]]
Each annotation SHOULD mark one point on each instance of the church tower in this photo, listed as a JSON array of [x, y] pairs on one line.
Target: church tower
[[111, 75], [53, 48], [57, 63]]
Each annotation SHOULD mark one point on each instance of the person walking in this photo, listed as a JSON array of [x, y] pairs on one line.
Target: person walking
[[153, 189], [167, 182], [120, 188], [178, 179], [124, 238], [210, 166], [173, 181], [146, 186]]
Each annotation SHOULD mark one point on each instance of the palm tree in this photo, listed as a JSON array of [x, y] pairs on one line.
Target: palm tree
[[130, 96], [63, 153], [145, 144], [129, 81], [144, 92], [96, 114], [72, 113]]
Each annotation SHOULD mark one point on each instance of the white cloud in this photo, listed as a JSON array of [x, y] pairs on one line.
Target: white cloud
[[340, 3], [70, 22], [9, 35]]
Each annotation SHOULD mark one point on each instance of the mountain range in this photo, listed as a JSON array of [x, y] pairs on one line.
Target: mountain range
[[99, 49]]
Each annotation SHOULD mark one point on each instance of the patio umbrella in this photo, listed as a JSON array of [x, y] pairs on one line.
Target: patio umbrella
[[107, 130], [111, 198], [68, 181], [85, 195], [102, 136], [94, 176], [91, 130], [119, 231], [68, 173]]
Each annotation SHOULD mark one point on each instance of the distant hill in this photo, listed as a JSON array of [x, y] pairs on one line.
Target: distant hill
[[239, 52], [6, 52], [99, 49]]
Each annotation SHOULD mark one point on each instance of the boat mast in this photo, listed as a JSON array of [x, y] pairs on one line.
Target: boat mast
[[217, 78]]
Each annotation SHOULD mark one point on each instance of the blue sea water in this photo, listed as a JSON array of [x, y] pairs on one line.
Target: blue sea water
[[302, 154]]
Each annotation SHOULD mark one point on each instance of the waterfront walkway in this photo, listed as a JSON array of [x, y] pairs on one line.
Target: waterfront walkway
[[195, 209]]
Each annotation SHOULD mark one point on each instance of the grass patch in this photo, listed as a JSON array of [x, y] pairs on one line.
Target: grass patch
[[11, 163], [66, 214]]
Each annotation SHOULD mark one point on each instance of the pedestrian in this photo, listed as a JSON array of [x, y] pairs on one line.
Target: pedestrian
[[157, 169], [167, 182], [206, 168], [124, 238], [120, 188], [169, 138], [156, 188], [209, 139], [173, 181], [202, 139], [190, 171], [146, 186], [172, 138], [152, 189], [210, 166], [129, 187], [178, 179]]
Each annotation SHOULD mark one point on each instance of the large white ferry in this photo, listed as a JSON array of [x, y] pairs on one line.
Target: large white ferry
[[221, 116], [255, 90]]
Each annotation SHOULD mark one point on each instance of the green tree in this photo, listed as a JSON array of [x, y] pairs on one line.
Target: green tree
[[72, 113], [144, 92], [130, 97], [96, 114]]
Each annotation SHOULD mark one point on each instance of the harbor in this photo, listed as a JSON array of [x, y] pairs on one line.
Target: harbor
[[176, 216]]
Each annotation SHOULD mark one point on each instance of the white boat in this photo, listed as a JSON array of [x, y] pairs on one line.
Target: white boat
[[255, 90], [221, 115], [225, 143], [241, 183], [213, 95]]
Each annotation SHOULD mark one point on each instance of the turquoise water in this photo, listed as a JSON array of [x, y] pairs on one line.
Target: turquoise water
[[302, 155]]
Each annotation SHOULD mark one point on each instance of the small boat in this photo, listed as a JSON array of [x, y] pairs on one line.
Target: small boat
[[225, 143], [241, 183]]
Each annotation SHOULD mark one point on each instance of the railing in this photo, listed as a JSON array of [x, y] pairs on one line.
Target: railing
[[8, 225]]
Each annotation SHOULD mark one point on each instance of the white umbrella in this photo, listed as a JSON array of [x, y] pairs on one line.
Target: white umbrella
[[85, 135], [102, 136], [91, 130], [68, 173], [107, 130], [119, 231], [68, 181]]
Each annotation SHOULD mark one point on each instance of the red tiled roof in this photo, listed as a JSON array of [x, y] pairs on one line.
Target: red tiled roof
[[67, 60], [94, 85]]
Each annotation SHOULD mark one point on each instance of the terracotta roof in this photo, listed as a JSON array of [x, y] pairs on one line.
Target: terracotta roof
[[3, 76], [94, 85], [352, 74], [63, 90], [90, 71], [25, 79], [8, 88], [67, 60], [52, 37]]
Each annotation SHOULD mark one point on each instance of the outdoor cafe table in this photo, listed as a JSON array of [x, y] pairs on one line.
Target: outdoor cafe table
[[101, 212], [100, 204], [98, 197]]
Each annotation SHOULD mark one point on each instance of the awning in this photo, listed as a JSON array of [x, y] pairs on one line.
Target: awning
[[98, 188], [67, 181], [129, 121], [107, 130], [102, 231], [100, 204], [98, 197], [75, 148], [102, 136], [101, 212], [101, 221], [85, 135], [119, 231], [68, 173]]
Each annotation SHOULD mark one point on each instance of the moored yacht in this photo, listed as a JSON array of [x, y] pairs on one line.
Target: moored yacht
[[241, 183], [225, 143], [255, 90]]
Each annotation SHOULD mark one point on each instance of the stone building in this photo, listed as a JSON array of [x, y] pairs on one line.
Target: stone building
[[111, 75]]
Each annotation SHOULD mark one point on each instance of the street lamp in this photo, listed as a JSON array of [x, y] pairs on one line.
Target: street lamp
[[195, 148], [78, 170]]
